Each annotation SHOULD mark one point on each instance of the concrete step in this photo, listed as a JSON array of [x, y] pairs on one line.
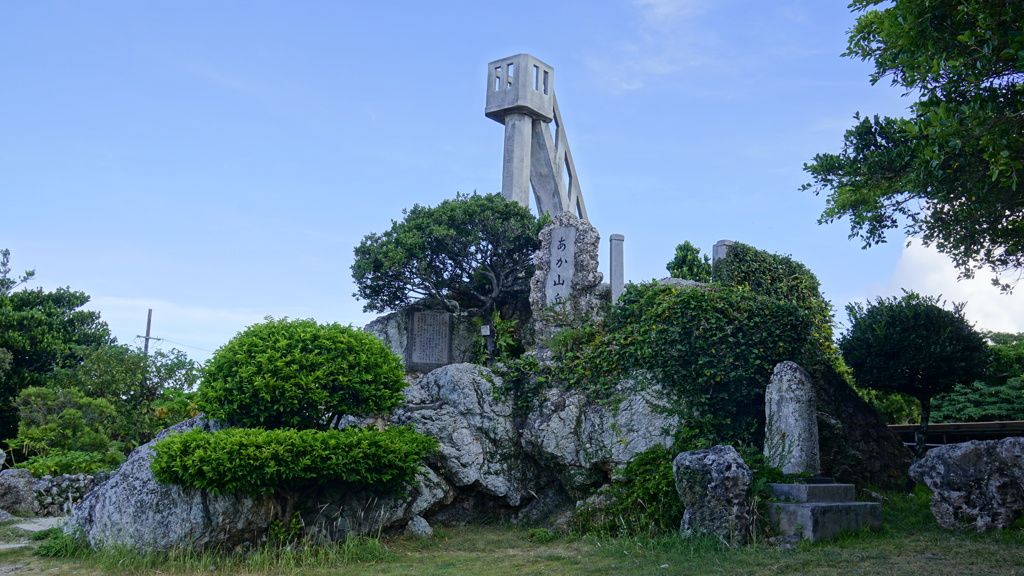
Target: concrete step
[[815, 492], [817, 521]]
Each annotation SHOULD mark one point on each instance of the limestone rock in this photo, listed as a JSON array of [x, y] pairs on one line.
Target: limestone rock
[[337, 514], [791, 432], [132, 509], [17, 493], [976, 484], [714, 485], [419, 528], [479, 444], [584, 440], [3, 458]]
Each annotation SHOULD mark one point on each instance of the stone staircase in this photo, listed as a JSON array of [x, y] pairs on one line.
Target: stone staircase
[[821, 511]]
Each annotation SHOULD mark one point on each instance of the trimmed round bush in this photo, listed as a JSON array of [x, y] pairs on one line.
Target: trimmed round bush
[[300, 374]]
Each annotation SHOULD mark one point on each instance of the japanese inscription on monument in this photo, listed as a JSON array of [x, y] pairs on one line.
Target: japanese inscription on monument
[[563, 264], [429, 340]]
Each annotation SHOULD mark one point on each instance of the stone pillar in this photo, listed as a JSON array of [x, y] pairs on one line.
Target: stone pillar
[[515, 168], [791, 415], [615, 266], [566, 282], [720, 250]]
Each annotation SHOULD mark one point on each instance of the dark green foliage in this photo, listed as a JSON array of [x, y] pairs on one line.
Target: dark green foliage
[[914, 346], [950, 173], [689, 265], [39, 331], [147, 393], [257, 462], [300, 374], [473, 251]]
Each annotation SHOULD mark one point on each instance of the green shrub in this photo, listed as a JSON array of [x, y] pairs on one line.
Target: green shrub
[[300, 374], [58, 462], [61, 421], [981, 402], [257, 462]]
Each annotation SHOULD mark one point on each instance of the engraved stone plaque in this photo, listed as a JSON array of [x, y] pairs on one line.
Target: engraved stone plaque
[[430, 340], [563, 265]]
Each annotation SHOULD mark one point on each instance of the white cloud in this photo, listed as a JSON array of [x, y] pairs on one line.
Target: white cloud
[[666, 41], [926, 271]]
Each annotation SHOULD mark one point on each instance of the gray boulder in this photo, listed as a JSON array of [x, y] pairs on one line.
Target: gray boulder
[[714, 485], [479, 443], [17, 492], [588, 442], [976, 484], [132, 509]]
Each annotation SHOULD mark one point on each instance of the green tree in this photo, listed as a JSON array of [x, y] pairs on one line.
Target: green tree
[[915, 346], [950, 173], [473, 251], [999, 396], [147, 392], [40, 331], [689, 265]]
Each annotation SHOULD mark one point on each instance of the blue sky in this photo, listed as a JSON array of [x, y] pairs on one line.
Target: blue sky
[[218, 161]]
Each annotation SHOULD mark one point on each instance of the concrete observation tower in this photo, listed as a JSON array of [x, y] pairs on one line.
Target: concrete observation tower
[[521, 95]]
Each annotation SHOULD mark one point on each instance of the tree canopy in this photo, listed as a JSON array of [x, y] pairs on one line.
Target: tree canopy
[[912, 345], [950, 173], [689, 265], [474, 251], [39, 331]]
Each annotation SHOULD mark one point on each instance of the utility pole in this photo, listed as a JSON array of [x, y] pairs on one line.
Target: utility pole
[[149, 324]]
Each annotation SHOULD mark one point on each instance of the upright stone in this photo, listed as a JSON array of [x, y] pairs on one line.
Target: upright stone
[[791, 429], [566, 281], [714, 485], [615, 266]]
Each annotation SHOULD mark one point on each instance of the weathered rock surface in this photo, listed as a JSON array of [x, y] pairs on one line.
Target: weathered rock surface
[[791, 430], [479, 443], [587, 442], [714, 485], [17, 494], [337, 514], [133, 509], [976, 484]]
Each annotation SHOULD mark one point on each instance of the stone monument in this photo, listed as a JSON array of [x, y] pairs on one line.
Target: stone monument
[[521, 95], [566, 281], [791, 421]]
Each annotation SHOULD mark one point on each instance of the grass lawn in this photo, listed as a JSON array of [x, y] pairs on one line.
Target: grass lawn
[[910, 543]]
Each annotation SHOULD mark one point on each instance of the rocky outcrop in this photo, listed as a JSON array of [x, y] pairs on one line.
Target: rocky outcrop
[[714, 485], [479, 443], [586, 442], [132, 509], [17, 492], [976, 484]]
